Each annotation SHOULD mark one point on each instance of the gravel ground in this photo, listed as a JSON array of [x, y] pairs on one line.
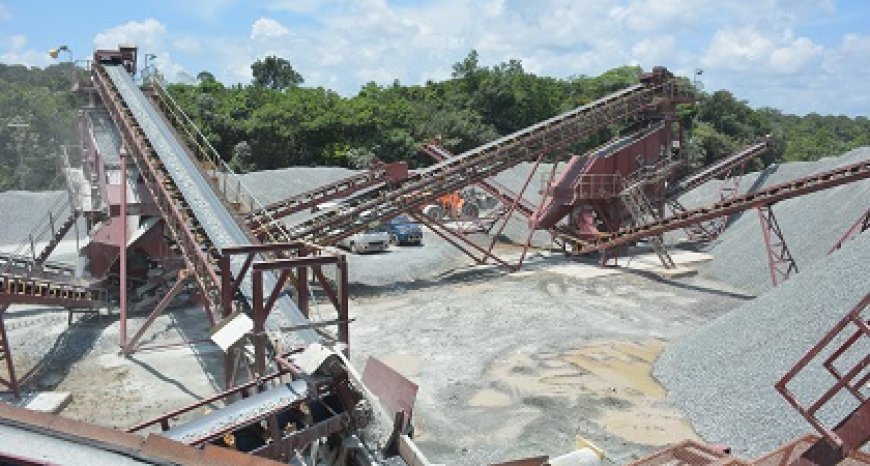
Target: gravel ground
[[514, 365], [722, 375], [811, 224]]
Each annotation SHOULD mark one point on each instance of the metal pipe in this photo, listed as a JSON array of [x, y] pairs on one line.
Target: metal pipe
[[122, 249]]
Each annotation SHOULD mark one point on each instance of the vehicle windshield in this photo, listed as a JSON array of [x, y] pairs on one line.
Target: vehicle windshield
[[401, 220]]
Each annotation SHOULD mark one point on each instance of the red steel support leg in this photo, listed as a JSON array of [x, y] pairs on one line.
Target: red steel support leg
[[443, 231], [516, 202], [302, 292], [860, 226], [779, 258], [183, 276], [343, 309], [122, 250], [259, 325], [6, 353]]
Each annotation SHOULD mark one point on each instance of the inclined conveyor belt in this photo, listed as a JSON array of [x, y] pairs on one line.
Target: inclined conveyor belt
[[240, 413], [219, 225]]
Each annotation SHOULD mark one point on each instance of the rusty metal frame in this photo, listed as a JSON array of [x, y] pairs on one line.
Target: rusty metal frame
[[243, 390], [293, 261], [842, 437], [6, 354], [779, 258], [170, 203], [861, 225], [471, 167], [458, 240], [788, 190], [131, 346]]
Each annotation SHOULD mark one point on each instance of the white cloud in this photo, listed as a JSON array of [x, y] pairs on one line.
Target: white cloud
[[268, 28], [150, 36], [747, 49], [187, 44], [15, 49], [748, 46]]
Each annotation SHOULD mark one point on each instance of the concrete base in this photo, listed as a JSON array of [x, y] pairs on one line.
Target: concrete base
[[679, 272], [48, 402]]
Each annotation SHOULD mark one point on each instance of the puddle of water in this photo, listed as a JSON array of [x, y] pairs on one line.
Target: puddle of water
[[618, 375]]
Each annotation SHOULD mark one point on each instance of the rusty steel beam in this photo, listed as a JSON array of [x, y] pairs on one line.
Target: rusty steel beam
[[6, 354], [336, 190], [840, 437], [130, 347], [721, 167], [656, 90], [168, 200], [791, 189], [860, 226], [779, 259], [458, 240], [497, 190]]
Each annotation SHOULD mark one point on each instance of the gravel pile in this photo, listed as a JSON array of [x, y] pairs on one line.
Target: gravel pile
[[23, 210], [811, 224], [722, 375]]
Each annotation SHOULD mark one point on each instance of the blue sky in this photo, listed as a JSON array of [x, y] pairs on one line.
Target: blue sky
[[797, 55]]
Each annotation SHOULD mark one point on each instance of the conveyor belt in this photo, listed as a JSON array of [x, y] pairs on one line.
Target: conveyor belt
[[719, 168], [383, 202], [308, 199], [818, 182], [497, 190], [218, 224], [241, 413]]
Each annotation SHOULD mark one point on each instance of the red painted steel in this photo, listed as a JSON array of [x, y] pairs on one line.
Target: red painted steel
[[395, 392], [384, 173], [170, 203], [853, 431], [497, 190], [791, 189], [779, 258], [658, 90], [860, 226], [11, 382]]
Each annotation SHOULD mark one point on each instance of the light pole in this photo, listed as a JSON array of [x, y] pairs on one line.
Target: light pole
[[145, 72], [53, 53], [21, 171]]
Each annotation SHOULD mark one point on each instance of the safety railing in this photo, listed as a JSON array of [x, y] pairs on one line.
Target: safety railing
[[852, 381], [226, 183]]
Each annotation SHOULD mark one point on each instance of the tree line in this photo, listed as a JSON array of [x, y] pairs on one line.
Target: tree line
[[275, 122]]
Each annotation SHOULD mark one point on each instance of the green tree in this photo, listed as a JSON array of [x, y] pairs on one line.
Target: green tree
[[275, 73]]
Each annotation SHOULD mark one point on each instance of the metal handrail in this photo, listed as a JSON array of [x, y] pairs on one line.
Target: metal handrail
[[205, 149]]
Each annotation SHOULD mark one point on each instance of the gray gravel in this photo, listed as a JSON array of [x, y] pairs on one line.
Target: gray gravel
[[22, 210], [811, 224], [722, 375]]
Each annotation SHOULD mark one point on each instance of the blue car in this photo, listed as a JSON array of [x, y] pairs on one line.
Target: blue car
[[403, 230]]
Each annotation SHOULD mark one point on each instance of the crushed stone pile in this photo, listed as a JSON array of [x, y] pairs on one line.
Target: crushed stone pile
[[811, 224], [722, 375], [22, 211]]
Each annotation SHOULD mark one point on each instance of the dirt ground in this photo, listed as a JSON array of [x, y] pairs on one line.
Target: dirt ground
[[509, 365], [518, 365]]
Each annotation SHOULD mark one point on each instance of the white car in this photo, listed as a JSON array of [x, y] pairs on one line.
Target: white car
[[371, 240]]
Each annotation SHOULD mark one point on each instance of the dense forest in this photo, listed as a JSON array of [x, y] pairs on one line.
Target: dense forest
[[275, 121]]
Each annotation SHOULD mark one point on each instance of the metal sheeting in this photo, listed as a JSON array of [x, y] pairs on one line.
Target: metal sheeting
[[211, 213], [240, 413]]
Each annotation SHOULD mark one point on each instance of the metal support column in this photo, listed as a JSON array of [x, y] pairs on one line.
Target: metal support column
[[183, 277], [122, 250], [6, 353], [779, 258]]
